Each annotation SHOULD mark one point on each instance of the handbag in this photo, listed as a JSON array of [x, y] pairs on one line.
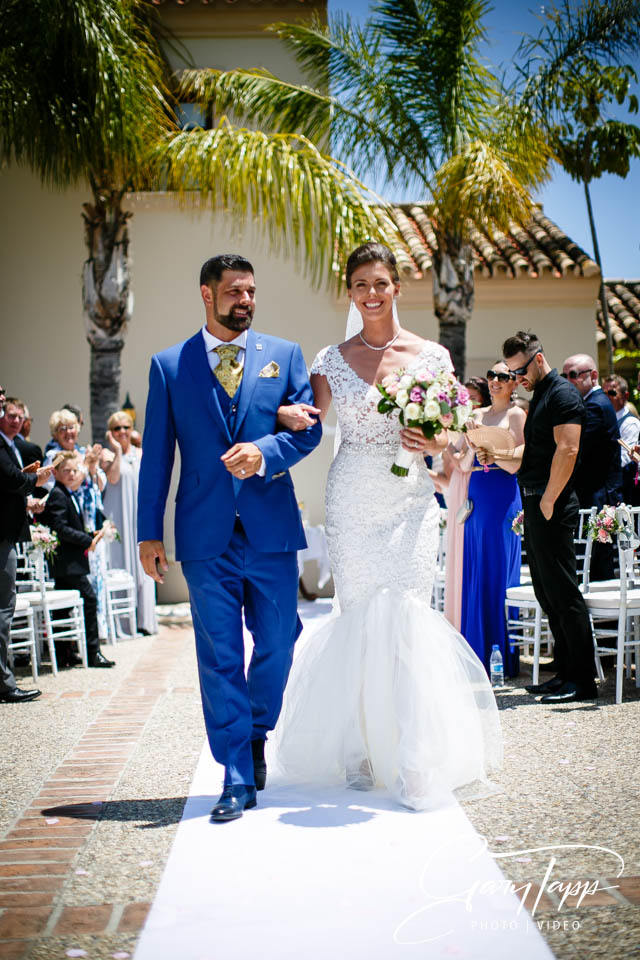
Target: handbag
[[464, 511]]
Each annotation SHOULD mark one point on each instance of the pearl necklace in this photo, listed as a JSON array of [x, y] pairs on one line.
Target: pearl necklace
[[384, 346]]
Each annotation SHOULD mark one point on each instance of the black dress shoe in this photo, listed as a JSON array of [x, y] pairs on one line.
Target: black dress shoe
[[259, 764], [19, 696], [99, 660], [233, 800], [570, 692], [549, 686]]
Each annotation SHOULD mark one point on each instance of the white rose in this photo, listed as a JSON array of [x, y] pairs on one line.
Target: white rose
[[431, 410], [412, 411], [433, 391], [402, 397], [406, 381]]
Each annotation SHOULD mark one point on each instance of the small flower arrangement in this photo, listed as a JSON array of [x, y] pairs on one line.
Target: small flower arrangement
[[43, 540], [430, 401], [110, 532], [517, 524], [605, 525]]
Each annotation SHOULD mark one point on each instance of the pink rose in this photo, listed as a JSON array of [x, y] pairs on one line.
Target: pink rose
[[608, 522], [391, 388], [446, 419], [603, 536], [463, 395], [416, 395]]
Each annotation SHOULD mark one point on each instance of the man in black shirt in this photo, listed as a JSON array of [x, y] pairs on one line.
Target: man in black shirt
[[552, 435]]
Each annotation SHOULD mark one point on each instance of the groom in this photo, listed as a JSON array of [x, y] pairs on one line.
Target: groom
[[237, 524]]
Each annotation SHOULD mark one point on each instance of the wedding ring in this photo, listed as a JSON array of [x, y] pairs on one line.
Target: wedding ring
[[242, 471]]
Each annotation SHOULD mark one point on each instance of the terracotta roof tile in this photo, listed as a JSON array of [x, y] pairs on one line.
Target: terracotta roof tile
[[623, 304], [534, 248]]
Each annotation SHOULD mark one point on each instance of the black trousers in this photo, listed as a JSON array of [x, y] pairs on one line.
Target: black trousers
[[83, 585], [552, 562]]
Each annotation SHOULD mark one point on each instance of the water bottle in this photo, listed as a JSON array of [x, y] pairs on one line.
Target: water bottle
[[496, 667]]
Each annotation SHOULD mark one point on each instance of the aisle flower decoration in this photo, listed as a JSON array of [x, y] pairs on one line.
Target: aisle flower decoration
[[518, 523], [428, 401], [110, 532], [44, 541], [605, 525]]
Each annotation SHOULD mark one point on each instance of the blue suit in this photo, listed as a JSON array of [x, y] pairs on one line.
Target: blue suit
[[236, 539]]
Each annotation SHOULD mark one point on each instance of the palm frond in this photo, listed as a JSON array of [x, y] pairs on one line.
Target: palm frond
[[477, 186], [303, 200], [81, 87]]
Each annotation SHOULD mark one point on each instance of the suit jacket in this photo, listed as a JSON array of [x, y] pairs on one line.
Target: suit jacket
[[598, 479], [183, 406], [30, 452], [61, 514], [15, 487]]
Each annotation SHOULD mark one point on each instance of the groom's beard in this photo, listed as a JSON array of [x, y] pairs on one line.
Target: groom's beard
[[236, 320]]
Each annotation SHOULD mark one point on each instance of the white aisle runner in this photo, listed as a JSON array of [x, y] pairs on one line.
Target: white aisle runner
[[331, 873]]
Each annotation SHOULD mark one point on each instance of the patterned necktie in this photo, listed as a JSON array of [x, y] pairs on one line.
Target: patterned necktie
[[228, 371]]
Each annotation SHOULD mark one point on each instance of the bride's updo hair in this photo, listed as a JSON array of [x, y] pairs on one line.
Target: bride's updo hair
[[372, 253]]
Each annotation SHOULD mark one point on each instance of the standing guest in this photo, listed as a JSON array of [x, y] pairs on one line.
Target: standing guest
[[598, 477], [19, 491], [29, 451], [617, 389], [492, 553], [479, 393], [121, 465], [64, 514], [552, 434], [76, 411], [65, 426]]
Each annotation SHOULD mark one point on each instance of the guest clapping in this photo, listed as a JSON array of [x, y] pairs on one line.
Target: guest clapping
[[492, 552], [121, 464]]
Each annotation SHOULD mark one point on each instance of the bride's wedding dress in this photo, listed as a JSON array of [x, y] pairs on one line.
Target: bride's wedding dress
[[385, 692]]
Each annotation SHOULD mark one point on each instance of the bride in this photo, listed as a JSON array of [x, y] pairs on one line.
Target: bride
[[386, 692]]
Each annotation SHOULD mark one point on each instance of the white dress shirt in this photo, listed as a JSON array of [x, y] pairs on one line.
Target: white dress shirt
[[13, 446], [629, 432], [213, 359]]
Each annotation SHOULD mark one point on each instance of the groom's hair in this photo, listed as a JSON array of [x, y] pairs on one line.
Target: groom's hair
[[213, 269], [524, 341]]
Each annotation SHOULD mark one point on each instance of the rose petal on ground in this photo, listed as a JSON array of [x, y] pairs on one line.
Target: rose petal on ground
[[82, 873], [563, 761], [145, 863], [121, 955], [523, 859], [52, 820], [75, 952], [501, 839]]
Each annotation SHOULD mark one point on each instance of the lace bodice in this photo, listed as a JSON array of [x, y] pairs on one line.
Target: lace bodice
[[356, 401]]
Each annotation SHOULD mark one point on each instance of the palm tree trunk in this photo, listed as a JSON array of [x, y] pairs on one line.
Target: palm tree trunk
[[603, 292], [107, 299], [453, 295]]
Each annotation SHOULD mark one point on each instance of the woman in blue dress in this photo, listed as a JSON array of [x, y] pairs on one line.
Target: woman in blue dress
[[492, 551]]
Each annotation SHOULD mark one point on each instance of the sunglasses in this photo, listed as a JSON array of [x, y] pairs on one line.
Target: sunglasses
[[574, 374], [118, 429], [612, 393], [521, 371], [501, 377]]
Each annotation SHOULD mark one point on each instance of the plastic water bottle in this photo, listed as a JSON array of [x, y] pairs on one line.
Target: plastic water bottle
[[496, 667]]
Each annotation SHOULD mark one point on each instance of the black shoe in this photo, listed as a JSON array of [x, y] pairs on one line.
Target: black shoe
[[570, 692], [19, 696], [99, 660], [549, 686], [233, 800], [259, 765]]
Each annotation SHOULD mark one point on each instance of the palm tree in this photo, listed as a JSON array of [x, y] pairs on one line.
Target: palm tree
[[410, 101], [85, 97], [571, 81]]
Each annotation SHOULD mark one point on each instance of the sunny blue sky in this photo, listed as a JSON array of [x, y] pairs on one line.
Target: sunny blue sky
[[616, 202]]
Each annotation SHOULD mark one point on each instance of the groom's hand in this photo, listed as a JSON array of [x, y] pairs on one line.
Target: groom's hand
[[297, 416], [153, 559], [243, 460]]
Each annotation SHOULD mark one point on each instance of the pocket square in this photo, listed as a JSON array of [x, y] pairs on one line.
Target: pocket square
[[271, 370]]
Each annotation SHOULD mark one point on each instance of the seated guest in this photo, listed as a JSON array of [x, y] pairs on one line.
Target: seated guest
[[122, 467], [617, 389], [29, 451], [70, 563]]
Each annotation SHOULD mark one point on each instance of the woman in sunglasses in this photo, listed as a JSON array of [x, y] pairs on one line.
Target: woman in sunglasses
[[122, 466], [491, 557]]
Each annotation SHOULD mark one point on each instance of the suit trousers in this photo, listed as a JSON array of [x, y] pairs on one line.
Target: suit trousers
[[7, 609], [552, 562], [238, 709], [88, 594]]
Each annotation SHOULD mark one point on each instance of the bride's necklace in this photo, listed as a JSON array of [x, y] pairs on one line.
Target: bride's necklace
[[384, 345]]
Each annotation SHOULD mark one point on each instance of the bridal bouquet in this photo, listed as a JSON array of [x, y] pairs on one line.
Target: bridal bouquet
[[426, 400], [43, 540], [517, 524]]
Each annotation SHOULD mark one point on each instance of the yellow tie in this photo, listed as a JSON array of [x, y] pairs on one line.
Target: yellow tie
[[228, 371]]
